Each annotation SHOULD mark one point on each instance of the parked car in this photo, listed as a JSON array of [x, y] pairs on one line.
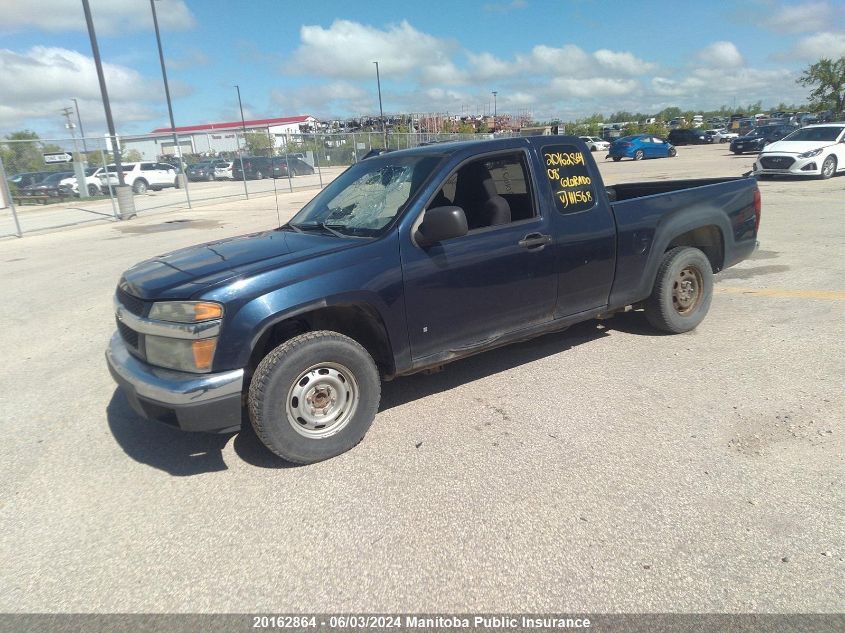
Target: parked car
[[405, 262], [595, 144], [687, 136], [298, 167], [141, 176], [759, 137], [815, 150], [640, 146], [203, 170], [722, 135], [29, 178], [251, 168], [223, 169], [48, 186], [92, 181]]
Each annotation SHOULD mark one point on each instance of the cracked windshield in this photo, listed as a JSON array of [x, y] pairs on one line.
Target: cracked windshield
[[366, 198]]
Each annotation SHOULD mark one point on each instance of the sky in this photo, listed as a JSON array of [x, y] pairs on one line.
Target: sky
[[556, 60]]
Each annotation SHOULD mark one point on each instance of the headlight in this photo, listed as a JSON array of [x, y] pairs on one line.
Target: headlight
[[811, 153], [183, 354], [186, 311]]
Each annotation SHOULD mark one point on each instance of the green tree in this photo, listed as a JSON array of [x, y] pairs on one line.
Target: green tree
[[24, 154], [259, 143], [132, 156], [827, 77]]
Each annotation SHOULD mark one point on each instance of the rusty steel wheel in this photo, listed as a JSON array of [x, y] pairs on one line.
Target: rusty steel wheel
[[683, 289], [686, 290]]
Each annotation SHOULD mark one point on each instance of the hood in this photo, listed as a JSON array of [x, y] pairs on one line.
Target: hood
[[795, 147], [183, 273]]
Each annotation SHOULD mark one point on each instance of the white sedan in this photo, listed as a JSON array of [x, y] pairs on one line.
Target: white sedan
[[92, 181], [595, 144], [223, 169], [722, 136], [815, 150]]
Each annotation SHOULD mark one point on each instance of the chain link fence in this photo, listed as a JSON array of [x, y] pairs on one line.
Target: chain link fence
[[41, 178]]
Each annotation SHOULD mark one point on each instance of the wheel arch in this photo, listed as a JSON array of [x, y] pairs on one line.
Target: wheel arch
[[359, 321]]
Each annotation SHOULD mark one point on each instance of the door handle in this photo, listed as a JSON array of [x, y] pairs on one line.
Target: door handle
[[535, 241]]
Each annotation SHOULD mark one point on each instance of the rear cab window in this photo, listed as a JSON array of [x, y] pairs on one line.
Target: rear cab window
[[569, 178]]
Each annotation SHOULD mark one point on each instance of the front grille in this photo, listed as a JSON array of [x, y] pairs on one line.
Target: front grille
[[133, 304], [777, 162], [129, 336]]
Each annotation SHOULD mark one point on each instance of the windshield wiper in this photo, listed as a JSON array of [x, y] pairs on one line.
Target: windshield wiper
[[325, 226], [321, 226], [291, 226]]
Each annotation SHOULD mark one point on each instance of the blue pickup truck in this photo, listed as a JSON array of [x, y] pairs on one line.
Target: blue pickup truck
[[405, 262]]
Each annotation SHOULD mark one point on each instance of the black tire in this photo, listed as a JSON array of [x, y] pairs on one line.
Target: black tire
[[639, 154], [672, 152], [616, 159], [210, 177], [140, 186], [828, 168], [282, 372], [723, 140], [93, 190], [259, 175], [683, 290]]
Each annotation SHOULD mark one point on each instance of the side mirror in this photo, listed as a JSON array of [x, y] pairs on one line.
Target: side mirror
[[440, 224]]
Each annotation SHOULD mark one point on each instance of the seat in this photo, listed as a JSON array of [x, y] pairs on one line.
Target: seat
[[475, 193]]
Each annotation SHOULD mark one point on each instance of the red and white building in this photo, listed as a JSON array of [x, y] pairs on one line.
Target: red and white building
[[212, 138]]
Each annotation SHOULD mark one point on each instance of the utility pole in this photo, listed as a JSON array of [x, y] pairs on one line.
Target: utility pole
[[494, 111], [180, 178], [78, 163], [126, 205], [81, 129]]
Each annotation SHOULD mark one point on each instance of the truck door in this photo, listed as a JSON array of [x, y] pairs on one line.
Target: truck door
[[496, 279], [584, 228]]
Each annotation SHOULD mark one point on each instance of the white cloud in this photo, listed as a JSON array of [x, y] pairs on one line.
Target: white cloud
[[325, 99], [568, 60], [563, 87], [721, 55], [800, 18], [826, 44], [190, 59], [505, 7], [42, 81], [111, 17], [348, 49]]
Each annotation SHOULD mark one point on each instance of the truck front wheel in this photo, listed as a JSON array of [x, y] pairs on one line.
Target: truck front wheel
[[683, 290], [314, 397]]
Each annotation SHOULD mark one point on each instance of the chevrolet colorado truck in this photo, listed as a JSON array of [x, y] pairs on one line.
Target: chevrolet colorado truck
[[405, 262]]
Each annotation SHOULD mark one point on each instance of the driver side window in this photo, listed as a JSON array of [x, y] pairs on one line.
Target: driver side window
[[491, 191]]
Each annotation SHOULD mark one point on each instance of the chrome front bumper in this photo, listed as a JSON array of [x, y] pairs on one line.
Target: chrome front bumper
[[193, 402]]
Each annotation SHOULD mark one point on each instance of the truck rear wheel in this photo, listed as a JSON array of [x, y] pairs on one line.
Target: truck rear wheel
[[683, 290], [314, 397]]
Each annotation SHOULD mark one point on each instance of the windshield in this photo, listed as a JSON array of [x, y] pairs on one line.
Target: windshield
[[90, 171], [366, 198], [827, 133]]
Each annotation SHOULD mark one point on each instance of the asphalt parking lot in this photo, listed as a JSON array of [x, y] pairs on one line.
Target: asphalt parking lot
[[603, 469]]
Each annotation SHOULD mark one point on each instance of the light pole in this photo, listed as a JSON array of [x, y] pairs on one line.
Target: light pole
[[494, 111], [125, 203], [180, 178], [240, 153], [380, 110]]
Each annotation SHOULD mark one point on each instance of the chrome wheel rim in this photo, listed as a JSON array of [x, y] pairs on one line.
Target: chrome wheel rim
[[322, 400], [827, 168], [686, 290]]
